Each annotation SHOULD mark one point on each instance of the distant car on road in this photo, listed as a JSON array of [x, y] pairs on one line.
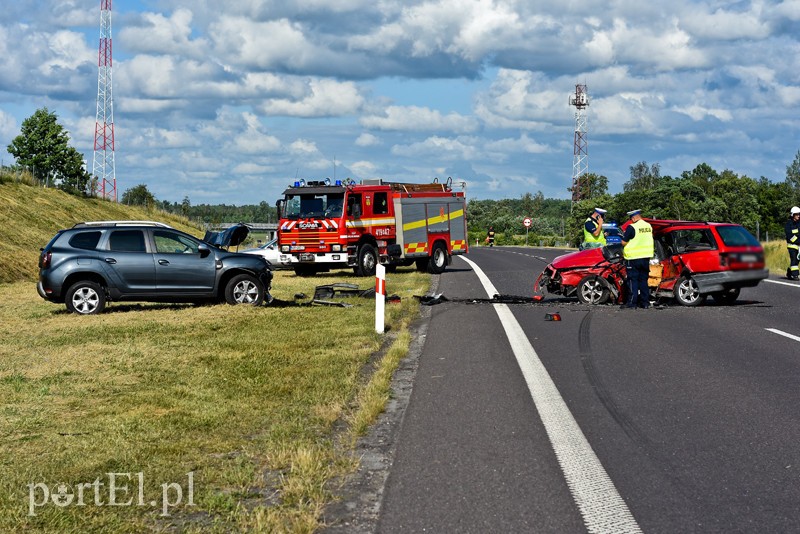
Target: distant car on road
[[692, 261], [92, 263], [271, 252]]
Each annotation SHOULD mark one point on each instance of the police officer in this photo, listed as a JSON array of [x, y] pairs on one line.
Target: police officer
[[490, 236], [793, 242], [637, 251], [593, 236]]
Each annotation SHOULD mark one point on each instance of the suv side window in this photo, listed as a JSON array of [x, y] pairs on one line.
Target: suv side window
[[172, 243], [693, 240], [85, 240], [127, 241]]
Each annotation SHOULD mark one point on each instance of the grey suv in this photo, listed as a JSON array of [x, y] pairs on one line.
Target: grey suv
[[95, 262]]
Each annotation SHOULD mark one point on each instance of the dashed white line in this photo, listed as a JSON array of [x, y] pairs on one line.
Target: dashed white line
[[599, 502], [782, 333], [781, 283]]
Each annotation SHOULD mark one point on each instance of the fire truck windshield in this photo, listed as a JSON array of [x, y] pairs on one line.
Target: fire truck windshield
[[314, 206]]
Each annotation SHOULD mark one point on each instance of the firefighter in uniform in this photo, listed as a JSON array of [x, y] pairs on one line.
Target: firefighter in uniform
[[638, 249], [490, 236], [593, 236], [793, 243]]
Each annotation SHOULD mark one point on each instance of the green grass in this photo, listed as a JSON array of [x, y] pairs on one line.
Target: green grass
[[776, 256], [255, 402]]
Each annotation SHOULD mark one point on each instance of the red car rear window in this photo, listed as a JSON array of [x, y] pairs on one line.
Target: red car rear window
[[736, 236]]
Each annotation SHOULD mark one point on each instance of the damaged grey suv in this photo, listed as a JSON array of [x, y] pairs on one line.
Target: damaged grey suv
[[93, 263]]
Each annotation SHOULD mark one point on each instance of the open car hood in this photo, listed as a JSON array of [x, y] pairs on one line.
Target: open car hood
[[230, 237]]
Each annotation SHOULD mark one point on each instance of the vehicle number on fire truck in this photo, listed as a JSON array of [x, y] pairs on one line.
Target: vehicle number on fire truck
[[306, 257]]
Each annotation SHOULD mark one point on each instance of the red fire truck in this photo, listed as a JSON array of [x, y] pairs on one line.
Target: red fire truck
[[326, 225]]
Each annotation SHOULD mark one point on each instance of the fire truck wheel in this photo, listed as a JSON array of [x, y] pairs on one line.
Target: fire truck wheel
[[367, 260], [438, 260], [305, 270]]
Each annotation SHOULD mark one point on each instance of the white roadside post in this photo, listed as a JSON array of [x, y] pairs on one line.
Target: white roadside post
[[380, 297]]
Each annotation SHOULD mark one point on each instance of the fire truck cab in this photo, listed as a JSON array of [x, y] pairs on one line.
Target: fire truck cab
[[326, 225]]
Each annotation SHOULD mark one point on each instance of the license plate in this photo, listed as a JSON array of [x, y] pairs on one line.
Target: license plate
[[306, 257], [748, 258]]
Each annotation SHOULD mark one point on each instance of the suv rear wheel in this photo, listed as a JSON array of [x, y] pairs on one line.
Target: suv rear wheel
[[244, 289], [85, 298], [687, 293]]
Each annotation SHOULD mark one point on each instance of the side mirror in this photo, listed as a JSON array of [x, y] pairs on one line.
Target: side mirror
[[204, 250]]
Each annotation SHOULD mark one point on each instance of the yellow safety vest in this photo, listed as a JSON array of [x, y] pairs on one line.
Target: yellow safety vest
[[641, 246], [589, 238]]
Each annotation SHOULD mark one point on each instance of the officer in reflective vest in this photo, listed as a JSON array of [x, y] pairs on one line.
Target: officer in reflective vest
[[637, 251], [593, 236], [793, 242]]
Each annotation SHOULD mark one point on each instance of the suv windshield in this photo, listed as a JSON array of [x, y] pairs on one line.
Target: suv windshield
[[314, 205], [736, 236]]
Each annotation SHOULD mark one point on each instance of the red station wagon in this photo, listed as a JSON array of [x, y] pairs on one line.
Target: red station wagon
[[692, 260]]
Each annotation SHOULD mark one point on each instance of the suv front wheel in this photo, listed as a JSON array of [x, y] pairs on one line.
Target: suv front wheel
[[244, 289], [85, 298]]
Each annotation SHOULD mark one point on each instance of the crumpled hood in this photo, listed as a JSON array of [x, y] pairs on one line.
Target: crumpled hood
[[230, 237]]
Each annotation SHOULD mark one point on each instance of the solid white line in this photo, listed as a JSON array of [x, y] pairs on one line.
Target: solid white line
[[781, 283], [782, 333], [598, 501]]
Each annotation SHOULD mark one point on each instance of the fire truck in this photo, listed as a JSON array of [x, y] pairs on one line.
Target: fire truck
[[326, 225]]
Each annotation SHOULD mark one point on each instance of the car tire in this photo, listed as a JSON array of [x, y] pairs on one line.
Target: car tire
[[244, 289], [591, 290], [687, 293], [85, 298], [437, 263], [367, 260], [727, 297]]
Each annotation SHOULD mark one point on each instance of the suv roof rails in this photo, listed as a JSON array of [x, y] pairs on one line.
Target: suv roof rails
[[121, 223]]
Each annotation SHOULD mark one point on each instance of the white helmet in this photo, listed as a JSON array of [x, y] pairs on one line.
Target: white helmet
[[795, 210]]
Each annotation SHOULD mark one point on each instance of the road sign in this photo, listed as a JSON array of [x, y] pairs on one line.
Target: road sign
[[527, 222]]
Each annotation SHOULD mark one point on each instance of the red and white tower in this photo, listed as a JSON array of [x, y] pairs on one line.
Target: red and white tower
[[103, 164], [580, 157]]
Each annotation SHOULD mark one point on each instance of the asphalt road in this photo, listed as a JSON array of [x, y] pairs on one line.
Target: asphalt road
[[690, 413]]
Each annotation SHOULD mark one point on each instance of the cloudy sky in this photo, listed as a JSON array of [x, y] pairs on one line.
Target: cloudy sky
[[229, 101]]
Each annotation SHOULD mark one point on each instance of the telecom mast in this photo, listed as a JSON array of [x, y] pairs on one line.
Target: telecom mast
[[103, 164], [580, 157]]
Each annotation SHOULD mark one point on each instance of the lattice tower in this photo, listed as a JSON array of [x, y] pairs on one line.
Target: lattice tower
[[103, 167], [580, 153]]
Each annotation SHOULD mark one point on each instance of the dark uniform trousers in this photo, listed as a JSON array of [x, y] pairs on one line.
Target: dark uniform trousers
[[638, 271]]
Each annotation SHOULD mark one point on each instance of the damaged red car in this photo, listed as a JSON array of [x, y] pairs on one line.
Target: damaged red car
[[692, 261]]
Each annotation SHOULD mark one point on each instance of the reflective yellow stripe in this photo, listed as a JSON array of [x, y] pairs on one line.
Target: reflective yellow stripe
[[360, 223], [433, 220]]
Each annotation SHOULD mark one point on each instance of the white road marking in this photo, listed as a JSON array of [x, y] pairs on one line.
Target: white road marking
[[781, 283], [782, 333], [599, 502]]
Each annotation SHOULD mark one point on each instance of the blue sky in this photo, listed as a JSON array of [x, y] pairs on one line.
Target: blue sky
[[228, 104]]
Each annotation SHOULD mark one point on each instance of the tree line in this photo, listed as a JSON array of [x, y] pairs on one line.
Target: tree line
[[42, 150], [701, 194]]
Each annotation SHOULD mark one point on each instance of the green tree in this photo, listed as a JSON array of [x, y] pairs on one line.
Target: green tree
[[43, 147], [591, 185], [139, 196], [793, 173], [643, 177]]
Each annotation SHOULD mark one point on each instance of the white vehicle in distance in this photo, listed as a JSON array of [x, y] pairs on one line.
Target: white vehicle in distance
[[270, 252]]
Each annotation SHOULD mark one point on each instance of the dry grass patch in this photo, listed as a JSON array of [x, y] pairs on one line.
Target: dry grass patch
[[246, 399]]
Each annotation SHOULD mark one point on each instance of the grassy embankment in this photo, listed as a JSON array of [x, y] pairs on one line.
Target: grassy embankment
[[260, 404]]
